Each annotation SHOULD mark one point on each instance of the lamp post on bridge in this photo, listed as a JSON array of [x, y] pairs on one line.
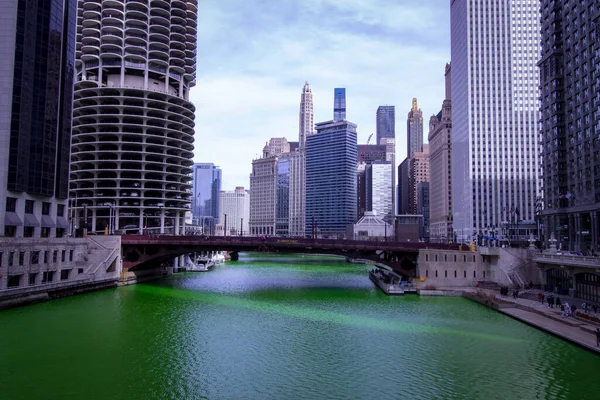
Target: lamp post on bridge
[[241, 226]]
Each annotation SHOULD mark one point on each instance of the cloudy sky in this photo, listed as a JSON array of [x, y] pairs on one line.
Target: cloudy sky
[[254, 56]]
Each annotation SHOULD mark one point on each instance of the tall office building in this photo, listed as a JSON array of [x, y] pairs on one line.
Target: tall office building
[[495, 153], [423, 200], [418, 172], [133, 123], [414, 130], [236, 205], [307, 122], [440, 172], [367, 154], [331, 159], [37, 57], [206, 186], [386, 122], [339, 104], [404, 187], [570, 110], [263, 195], [386, 135], [378, 185]]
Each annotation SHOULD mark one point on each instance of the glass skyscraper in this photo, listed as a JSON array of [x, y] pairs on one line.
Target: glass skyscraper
[[339, 104], [386, 122], [206, 189], [414, 130], [331, 157]]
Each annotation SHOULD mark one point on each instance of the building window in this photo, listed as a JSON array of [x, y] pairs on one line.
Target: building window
[[45, 232], [455, 258], [10, 230], [29, 206], [14, 281], [465, 259], [80, 270], [63, 256], [436, 275], [426, 257], [47, 276], [465, 273], [445, 274], [445, 257], [21, 257], [427, 273], [46, 257], [436, 257], [1, 254], [34, 257], [28, 231], [55, 256], [11, 258], [64, 274], [473, 258], [71, 255], [32, 277], [483, 274], [45, 208], [455, 274], [11, 204], [60, 210], [60, 232]]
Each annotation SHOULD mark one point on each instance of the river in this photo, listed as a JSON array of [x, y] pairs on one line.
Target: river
[[287, 327]]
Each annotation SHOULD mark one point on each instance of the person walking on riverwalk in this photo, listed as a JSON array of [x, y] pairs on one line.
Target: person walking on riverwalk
[[598, 337], [539, 296], [585, 308], [562, 310], [595, 308], [558, 303]]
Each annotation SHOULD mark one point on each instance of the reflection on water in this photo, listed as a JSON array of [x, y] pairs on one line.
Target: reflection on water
[[280, 327]]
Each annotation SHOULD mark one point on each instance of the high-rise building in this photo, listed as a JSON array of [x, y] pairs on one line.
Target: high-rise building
[[367, 153], [339, 104], [404, 187], [423, 200], [418, 171], [386, 122], [378, 185], [495, 153], [38, 51], [440, 173], [331, 160], [263, 194], [414, 130], [570, 110], [206, 186], [307, 122], [133, 123], [236, 205]]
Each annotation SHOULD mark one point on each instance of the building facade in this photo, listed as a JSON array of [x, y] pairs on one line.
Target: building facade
[[339, 104], [133, 123], [570, 108], [414, 130], [263, 185], [37, 64], [236, 205], [331, 159], [386, 136], [418, 172], [495, 152], [423, 201], [38, 50], [403, 187], [206, 186], [367, 154], [378, 188], [440, 171]]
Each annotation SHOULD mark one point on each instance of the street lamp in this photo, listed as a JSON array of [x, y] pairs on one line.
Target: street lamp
[[242, 227]]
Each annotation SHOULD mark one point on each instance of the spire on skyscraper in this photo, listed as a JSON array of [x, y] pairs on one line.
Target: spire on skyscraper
[[306, 114]]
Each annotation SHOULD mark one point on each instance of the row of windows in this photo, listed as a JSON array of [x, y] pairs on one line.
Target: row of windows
[[35, 257], [446, 258], [15, 281], [455, 274], [29, 231], [11, 206]]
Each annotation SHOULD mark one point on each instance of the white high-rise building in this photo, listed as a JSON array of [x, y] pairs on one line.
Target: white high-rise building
[[307, 122], [133, 123], [378, 183], [495, 154], [236, 205]]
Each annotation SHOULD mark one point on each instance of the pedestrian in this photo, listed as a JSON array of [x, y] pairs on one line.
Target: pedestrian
[[551, 301], [595, 308], [585, 308], [539, 296], [598, 337], [558, 303], [567, 309], [562, 310], [542, 301], [574, 310]]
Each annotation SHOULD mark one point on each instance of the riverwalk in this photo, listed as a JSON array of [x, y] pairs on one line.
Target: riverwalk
[[574, 329]]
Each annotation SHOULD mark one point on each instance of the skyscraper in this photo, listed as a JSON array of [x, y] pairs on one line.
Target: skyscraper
[[414, 130], [378, 185], [570, 110], [133, 123], [440, 158], [418, 171], [404, 186], [206, 186], [495, 163], [306, 115], [339, 104], [236, 205], [386, 122], [386, 135], [37, 57], [331, 179]]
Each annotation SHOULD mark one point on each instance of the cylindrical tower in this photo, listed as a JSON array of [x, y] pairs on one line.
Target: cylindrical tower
[[133, 124]]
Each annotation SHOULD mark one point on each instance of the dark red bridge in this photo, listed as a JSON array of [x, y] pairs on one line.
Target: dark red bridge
[[144, 251]]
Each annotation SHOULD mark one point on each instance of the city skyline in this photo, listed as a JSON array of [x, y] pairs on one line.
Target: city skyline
[[255, 84]]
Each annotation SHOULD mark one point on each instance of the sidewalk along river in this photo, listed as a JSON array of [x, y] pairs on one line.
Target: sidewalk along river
[[275, 327]]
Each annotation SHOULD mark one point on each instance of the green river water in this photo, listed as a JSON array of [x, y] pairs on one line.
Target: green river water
[[269, 327]]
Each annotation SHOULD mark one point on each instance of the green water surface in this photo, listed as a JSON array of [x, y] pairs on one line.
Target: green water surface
[[286, 327]]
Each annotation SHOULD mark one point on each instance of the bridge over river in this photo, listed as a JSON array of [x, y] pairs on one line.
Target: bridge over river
[[146, 251]]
